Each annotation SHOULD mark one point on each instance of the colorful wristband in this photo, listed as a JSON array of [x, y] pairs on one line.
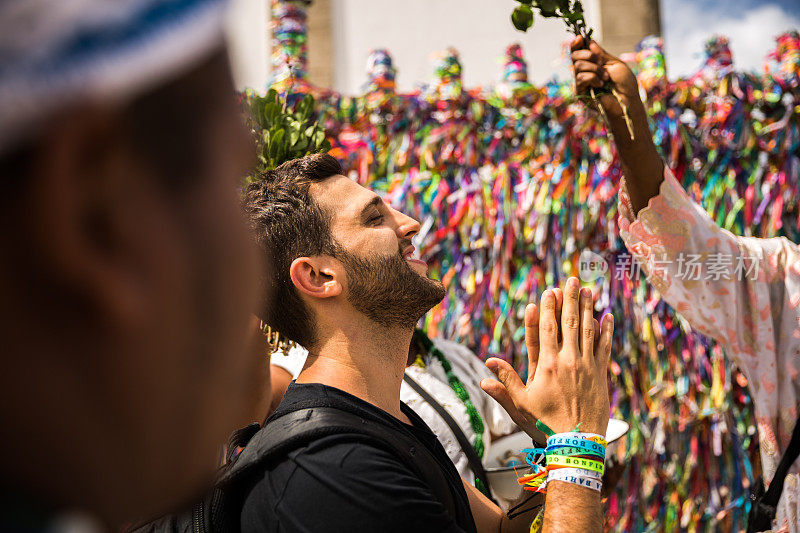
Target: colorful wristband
[[575, 457], [572, 451], [578, 472], [588, 440], [574, 462], [569, 475]]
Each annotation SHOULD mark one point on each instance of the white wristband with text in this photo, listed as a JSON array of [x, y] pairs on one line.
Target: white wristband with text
[[576, 476]]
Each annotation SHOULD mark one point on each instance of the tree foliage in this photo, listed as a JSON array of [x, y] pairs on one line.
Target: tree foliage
[[283, 132]]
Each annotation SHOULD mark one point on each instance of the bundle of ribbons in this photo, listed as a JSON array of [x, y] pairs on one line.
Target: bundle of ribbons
[[511, 189], [515, 73], [289, 59]]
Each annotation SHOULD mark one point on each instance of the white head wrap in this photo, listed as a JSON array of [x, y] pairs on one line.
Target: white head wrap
[[55, 53]]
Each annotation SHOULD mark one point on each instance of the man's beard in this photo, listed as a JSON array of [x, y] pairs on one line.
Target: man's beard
[[388, 291]]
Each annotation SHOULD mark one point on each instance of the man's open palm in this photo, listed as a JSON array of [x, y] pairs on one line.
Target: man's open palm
[[567, 384]]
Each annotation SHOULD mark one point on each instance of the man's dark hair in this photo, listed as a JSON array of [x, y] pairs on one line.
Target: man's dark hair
[[288, 224]]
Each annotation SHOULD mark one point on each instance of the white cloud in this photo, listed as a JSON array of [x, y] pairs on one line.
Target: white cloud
[[752, 34]]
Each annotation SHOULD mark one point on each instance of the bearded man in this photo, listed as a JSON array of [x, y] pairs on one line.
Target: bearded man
[[351, 291]]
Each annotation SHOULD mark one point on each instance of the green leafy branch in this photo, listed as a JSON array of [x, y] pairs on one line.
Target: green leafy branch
[[283, 133], [571, 11]]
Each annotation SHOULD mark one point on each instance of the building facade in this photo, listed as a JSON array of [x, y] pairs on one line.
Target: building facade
[[341, 34]]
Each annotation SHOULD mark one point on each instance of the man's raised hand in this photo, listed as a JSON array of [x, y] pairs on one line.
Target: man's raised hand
[[567, 384]]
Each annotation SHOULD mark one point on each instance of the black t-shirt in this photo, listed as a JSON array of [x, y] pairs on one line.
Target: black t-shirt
[[337, 484]]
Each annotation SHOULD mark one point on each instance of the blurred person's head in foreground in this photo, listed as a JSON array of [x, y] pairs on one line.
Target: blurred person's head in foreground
[[342, 257], [126, 264]]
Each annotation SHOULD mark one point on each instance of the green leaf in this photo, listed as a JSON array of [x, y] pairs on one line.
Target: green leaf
[[526, 2], [272, 111], [277, 143], [294, 135], [280, 156], [319, 137], [574, 17], [302, 145], [522, 17], [257, 110], [547, 8], [306, 107], [272, 96]]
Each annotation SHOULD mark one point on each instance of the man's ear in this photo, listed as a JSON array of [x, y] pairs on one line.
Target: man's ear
[[316, 276]]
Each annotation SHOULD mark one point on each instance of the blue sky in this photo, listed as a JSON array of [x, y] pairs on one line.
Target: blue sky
[[751, 26]]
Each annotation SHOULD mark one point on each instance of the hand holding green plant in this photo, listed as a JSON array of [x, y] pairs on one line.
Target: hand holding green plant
[[571, 12]]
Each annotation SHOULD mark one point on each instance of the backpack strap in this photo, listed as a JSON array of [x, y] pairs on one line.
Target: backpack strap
[[764, 505], [239, 439], [475, 463], [297, 428], [789, 457]]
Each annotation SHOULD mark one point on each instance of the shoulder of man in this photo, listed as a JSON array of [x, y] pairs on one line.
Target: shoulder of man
[[341, 482]]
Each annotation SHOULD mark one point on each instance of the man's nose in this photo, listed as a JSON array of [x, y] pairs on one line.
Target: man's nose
[[407, 227]]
